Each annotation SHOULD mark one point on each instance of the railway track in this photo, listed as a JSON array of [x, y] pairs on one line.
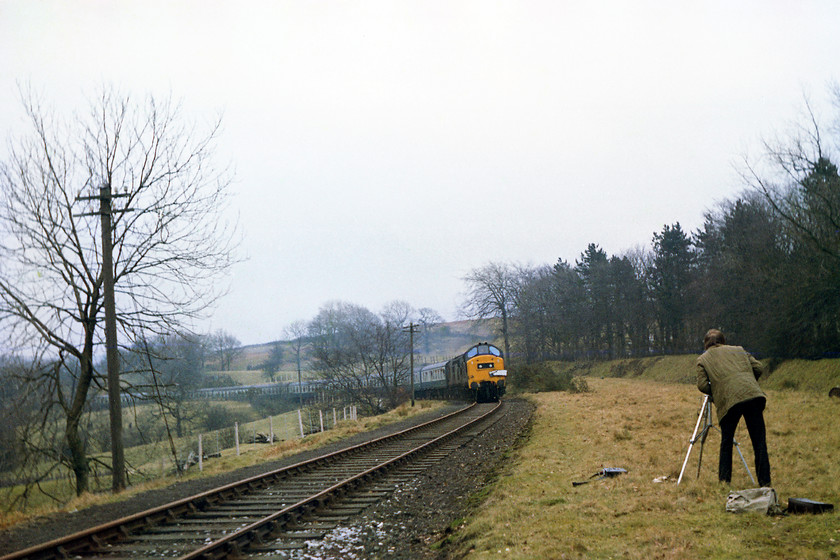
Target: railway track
[[278, 510]]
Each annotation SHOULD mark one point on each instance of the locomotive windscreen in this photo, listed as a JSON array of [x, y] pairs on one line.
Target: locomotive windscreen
[[479, 349]]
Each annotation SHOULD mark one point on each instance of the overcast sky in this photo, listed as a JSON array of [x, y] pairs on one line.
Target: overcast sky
[[385, 148]]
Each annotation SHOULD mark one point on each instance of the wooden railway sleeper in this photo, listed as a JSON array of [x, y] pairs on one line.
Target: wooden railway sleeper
[[124, 531], [277, 527]]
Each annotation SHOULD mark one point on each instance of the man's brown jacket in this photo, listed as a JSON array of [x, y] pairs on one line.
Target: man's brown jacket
[[733, 374]]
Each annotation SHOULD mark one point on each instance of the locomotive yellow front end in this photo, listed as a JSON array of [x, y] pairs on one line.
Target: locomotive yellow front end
[[486, 374]]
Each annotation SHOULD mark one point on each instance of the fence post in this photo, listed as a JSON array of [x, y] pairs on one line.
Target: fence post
[[300, 422], [200, 454], [335, 420], [270, 430], [321, 416], [236, 436]]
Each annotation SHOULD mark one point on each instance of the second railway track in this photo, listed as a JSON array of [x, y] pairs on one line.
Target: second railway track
[[277, 510]]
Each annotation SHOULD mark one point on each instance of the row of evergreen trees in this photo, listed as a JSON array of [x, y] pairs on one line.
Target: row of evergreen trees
[[764, 267]]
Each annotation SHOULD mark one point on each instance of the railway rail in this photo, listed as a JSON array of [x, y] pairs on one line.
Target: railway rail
[[277, 510]]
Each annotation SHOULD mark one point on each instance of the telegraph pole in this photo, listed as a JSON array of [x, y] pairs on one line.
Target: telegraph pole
[[112, 352], [411, 329]]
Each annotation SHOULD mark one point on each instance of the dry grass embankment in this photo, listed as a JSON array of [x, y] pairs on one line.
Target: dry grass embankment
[[250, 454], [644, 426]]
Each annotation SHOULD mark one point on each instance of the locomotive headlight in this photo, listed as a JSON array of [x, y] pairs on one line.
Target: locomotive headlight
[[499, 373]]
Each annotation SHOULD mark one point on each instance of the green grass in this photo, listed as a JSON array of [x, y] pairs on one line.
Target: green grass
[[806, 375], [644, 426]]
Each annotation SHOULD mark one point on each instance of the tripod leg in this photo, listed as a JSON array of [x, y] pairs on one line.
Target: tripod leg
[[702, 443], [738, 447], [693, 437], [687, 455]]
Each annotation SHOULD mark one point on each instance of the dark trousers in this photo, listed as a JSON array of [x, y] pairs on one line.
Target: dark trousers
[[753, 413]]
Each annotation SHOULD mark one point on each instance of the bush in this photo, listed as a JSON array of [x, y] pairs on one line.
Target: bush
[[272, 405], [217, 416], [541, 377], [579, 385]]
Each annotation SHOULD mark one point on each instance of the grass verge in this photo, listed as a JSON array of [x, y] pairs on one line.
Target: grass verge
[[250, 454], [644, 426]]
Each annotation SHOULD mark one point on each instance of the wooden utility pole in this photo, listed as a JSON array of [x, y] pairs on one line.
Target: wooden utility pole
[[411, 329], [111, 350]]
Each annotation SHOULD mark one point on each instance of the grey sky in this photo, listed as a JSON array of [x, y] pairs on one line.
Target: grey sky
[[383, 149]]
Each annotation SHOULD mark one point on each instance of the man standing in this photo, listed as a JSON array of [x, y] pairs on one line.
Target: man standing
[[730, 375]]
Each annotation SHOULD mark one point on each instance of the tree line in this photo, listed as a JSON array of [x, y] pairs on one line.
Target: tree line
[[764, 267]]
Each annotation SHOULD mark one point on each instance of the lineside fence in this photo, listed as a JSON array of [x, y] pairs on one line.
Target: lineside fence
[[155, 460], [194, 450]]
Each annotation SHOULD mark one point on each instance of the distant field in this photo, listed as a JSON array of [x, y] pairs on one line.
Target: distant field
[[533, 511]]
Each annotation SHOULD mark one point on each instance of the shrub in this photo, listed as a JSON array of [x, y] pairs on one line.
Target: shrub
[[217, 416], [272, 405], [541, 377], [579, 385]]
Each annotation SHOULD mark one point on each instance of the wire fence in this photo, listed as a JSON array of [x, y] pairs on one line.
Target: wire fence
[[237, 439], [156, 460]]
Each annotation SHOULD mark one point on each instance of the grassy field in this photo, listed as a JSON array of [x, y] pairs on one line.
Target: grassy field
[[533, 511]]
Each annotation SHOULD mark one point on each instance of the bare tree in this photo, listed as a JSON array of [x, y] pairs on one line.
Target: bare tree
[[341, 336], [168, 370], [170, 241], [428, 317], [394, 350], [798, 177], [361, 354], [297, 332], [491, 292], [271, 365], [226, 347]]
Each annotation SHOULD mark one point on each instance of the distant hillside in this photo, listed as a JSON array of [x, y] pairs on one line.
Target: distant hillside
[[441, 342]]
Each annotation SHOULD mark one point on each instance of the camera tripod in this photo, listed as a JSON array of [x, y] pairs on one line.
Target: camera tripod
[[701, 432]]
